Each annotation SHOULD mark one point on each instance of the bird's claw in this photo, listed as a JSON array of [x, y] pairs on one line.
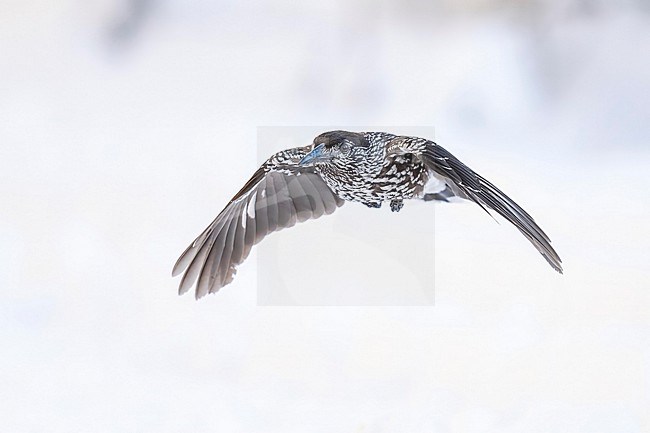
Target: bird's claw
[[396, 205]]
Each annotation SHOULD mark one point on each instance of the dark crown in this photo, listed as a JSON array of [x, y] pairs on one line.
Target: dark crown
[[336, 138]]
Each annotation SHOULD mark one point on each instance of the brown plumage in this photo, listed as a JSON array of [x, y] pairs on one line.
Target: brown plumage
[[308, 182]]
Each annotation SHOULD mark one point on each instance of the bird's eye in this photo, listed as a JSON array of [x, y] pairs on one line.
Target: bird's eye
[[346, 147]]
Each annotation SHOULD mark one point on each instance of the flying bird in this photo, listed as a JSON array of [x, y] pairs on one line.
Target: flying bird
[[304, 183]]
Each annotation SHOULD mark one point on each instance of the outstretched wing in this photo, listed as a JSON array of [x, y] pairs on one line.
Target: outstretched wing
[[466, 183], [270, 201]]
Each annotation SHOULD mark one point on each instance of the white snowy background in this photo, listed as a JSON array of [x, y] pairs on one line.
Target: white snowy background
[[126, 125]]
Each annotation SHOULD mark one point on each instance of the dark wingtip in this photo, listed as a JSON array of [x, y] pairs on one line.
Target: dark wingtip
[[487, 195], [558, 268], [556, 264]]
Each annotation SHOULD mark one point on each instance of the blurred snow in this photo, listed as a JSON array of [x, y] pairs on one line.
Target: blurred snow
[[128, 124]]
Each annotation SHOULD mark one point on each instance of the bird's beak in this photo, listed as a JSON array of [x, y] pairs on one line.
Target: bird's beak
[[316, 155]]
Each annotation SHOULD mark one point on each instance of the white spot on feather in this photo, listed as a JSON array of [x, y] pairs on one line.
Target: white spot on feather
[[243, 218], [251, 206]]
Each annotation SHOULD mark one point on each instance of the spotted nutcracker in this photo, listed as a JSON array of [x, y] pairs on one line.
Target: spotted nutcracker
[[304, 183]]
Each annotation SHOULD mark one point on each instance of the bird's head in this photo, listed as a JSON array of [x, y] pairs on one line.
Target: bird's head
[[341, 147]]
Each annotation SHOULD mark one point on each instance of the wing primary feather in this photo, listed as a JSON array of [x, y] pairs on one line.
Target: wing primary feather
[[299, 199], [484, 193], [285, 208], [227, 252], [314, 197], [190, 252], [291, 206], [249, 236], [206, 277], [186, 258], [238, 242], [210, 277], [271, 203], [261, 214], [195, 268], [270, 200]]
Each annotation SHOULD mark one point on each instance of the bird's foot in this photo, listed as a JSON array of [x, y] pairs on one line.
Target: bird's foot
[[396, 205], [375, 205]]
